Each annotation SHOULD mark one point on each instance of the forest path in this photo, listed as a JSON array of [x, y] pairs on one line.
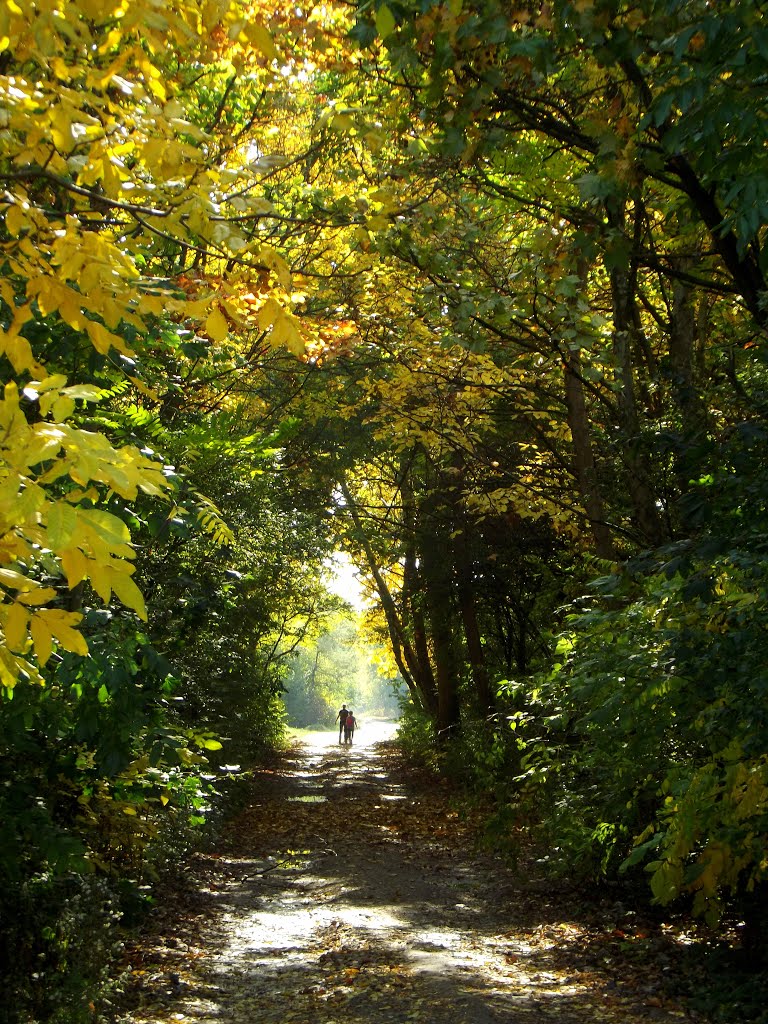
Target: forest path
[[350, 890]]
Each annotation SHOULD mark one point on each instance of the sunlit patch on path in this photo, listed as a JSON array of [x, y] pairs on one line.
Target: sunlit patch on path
[[349, 893]]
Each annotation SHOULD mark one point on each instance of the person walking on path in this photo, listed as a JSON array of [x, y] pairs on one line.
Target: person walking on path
[[349, 728], [341, 718]]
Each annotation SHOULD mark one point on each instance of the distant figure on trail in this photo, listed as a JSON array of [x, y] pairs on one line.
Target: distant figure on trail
[[349, 728], [341, 718]]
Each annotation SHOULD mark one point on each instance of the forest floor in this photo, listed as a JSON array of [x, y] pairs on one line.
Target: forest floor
[[351, 888]]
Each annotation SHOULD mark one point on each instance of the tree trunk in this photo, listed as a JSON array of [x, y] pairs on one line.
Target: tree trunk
[[413, 596], [694, 416], [683, 335], [578, 422], [465, 592], [583, 458], [646, 514], [437, 576]]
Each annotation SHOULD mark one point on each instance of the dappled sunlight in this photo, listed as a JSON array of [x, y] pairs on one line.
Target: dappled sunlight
[[362, 901], [366, 735]]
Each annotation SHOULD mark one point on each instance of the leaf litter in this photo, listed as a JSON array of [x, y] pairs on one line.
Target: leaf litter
[[352, 888]]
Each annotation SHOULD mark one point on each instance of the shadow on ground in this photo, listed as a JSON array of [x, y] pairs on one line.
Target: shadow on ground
[[348, 891]]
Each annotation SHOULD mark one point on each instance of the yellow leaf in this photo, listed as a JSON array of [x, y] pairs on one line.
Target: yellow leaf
[[109, 528], [261, 39], [61, 625], [142, 387], [129, 594], [216, 325], [61, 128], [102, 339], [285, 333], [61, 69], [36, 597], [63, 408], [268, 314], [44, 444], [96, 10], [52, 383], [157, 89], [75, 566], [41, 638], [9, 669], [11, 578], [16, 627], [342, 122], [277, 264], [101, 580], [15, 220], [19, 352], [152, 304], [87, 392]]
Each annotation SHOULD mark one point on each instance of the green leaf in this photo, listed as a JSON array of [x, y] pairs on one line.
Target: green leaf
[[385, 21]]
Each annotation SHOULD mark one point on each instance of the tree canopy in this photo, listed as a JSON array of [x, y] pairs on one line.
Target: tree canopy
[[474, 294]]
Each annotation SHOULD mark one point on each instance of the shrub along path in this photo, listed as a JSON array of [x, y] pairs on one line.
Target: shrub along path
[[350, 889]]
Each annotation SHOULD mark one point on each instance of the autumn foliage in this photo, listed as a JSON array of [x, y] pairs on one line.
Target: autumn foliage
[[475, 294]]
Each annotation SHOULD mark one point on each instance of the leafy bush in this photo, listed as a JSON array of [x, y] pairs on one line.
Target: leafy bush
[[93, 779], [416, 736], [58, 940], [647, 744]]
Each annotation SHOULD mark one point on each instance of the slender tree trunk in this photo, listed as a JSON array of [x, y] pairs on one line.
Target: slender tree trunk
[[683, 334], [448, 710], [583, 458], [694, 416], [465, 592], [437, 572], [475, 652], [413, 593], [578, 422], [446, 676], [646, 514], [521, 645]]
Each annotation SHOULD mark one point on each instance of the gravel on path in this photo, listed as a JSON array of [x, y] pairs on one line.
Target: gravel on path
[[350, 889]]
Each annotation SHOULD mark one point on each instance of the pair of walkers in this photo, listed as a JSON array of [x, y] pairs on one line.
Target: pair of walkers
[[347, 723]]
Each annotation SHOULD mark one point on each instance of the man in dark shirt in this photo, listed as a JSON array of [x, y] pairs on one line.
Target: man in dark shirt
[[341, 718]]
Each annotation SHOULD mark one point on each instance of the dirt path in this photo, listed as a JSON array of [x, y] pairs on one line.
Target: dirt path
[[350, 891]]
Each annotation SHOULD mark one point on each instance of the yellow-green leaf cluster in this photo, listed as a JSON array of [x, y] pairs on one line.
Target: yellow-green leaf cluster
[[53, 476], [105, 163]]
